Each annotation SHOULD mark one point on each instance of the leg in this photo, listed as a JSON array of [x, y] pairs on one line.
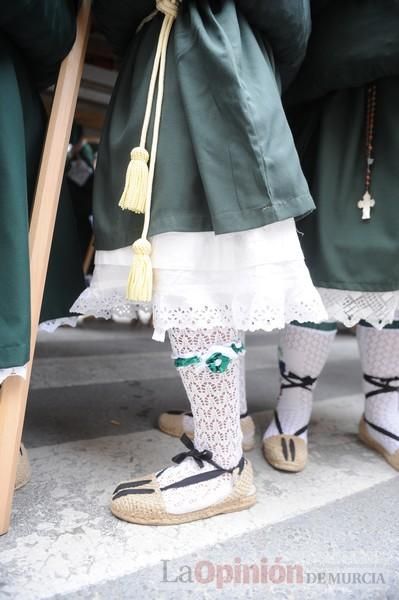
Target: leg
[[214, 397], [379, 354], [303, 354], [213, 477], [177, 422], [247, 422]]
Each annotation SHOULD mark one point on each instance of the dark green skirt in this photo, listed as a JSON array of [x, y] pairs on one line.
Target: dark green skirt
[[22, 129], [226, 159], [343, 251]]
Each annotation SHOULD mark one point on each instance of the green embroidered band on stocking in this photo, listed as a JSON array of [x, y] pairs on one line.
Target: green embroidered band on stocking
[[217, 362], [238, 347], [187, 362]]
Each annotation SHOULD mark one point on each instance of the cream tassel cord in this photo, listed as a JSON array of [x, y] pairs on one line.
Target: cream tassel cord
[[137, 194]]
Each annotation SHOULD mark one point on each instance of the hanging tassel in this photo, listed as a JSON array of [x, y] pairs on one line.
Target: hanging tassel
[[139, 285], [134, 195], [139, 182]]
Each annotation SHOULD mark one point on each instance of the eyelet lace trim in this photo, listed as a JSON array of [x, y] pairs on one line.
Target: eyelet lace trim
[[348, 307], [53, 324], [103, 303], [244, 312]]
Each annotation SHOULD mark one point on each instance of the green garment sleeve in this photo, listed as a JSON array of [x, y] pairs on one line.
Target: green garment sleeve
[[43, 31], [119, 19], [285, 26], [352, 43]]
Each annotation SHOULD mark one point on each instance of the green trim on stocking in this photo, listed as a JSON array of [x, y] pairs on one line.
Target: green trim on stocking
[[325, 326], [187, 362], [217, 362], [393, 325]]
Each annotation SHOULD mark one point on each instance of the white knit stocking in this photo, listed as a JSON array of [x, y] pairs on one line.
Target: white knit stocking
[[188, 423], [242, 382], [303, 354], [214, 397], [379, 354], [215, 405]]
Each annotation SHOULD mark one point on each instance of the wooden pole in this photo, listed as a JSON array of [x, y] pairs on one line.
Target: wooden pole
[[14, 391]]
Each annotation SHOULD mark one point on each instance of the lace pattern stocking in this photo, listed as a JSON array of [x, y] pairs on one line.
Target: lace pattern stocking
[[379, 354], [214, 397], [303, 352], [242, 382]]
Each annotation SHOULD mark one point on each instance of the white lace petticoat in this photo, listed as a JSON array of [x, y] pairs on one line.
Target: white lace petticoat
[[248, 280], [350, 307]]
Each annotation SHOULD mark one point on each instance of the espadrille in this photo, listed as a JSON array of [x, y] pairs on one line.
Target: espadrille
[[248, 432], [286, 452], [23, 468], [142, 500], [368, 440], [177, 422]]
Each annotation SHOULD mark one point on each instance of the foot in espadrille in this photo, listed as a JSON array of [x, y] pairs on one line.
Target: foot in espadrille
[[379, 426], [373, 436], [285, 440], [303, 354], [23, 468], [286, 452], [195, 488], [177, 422]]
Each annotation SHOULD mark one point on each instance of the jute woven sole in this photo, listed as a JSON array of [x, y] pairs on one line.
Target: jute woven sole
[[248, 433], [172, 424], [23, 469], [286, 452], [365, 437], [147, 506], [169, 519]]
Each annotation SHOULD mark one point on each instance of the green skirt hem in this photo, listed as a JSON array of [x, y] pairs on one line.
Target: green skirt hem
[[356, 287], [14, 356]]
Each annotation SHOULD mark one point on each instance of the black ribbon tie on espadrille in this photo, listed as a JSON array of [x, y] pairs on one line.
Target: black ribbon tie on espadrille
[[199, 457]]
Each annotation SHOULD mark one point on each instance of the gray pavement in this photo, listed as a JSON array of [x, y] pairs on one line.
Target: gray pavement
[[329, 532]]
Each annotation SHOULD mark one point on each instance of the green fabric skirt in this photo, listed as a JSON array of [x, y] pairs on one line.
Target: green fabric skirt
[[343, 251], [226, 160], [22, 129]]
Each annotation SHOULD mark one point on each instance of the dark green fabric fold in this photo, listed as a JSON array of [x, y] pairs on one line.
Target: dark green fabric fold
[[226, 159], [34, 36], [341, 250], [352, 43]]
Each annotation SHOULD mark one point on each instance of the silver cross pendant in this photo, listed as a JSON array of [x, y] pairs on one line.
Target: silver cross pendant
[[366, 204]]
